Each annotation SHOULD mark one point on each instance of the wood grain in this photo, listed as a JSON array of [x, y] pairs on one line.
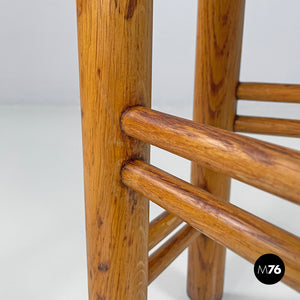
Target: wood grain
[[245, 234], [272, 168], [269, 92], [114, 39], [218, 53], [169, 251], [272, 126], [161, 227]]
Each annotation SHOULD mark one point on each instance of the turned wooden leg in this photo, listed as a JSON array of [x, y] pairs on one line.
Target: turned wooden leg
[[219, 37], [115, 50]]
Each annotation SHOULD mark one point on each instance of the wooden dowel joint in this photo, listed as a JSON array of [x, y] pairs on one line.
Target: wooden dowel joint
[[272, 168]]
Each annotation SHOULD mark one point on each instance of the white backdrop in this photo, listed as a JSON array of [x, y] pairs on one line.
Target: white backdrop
[[38, 53]]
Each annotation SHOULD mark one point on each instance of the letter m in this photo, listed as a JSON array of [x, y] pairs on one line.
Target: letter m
[[262, 270]]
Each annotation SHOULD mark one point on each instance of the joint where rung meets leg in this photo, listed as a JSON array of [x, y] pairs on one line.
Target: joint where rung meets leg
[[115, 62]]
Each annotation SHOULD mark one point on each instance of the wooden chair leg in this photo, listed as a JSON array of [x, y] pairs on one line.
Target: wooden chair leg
[[115, 45], [219, 36]]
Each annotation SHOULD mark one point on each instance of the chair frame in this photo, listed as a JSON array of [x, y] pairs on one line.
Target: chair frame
[[115, 61]]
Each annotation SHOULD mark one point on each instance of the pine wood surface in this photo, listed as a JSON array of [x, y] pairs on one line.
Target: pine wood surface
[[161, 226], [242, 232], [115, 50], [167, 253], [217, 67], [269, 167], [269, 92], [272, 126]]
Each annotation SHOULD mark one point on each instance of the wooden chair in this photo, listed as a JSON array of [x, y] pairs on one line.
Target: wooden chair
[[115, 50]]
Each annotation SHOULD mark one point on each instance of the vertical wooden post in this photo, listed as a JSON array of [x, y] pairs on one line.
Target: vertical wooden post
[[219, 37], [115, 50]]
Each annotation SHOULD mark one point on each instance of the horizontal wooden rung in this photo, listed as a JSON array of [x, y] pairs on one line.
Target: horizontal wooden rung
[[272, 126], [269, 92], [161, 227], [245, 234], [269, 167], [166, 254]]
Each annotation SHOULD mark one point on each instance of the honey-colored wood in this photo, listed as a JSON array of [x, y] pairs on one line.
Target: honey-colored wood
[[166, 254], [247, 235], [218, 53], [269, 167], [114, 40], [161, 227], [272, 126], [269, 92]]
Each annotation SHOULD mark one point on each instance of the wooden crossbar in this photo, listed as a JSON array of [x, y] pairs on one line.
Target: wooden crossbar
[[269, 167], [161, 226], [245, 234], [115, 59], [163, 256], [269, 92], [272, 126]]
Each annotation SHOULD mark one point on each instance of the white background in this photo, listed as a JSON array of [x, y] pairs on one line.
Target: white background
[[42, 245], [38, 54]]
